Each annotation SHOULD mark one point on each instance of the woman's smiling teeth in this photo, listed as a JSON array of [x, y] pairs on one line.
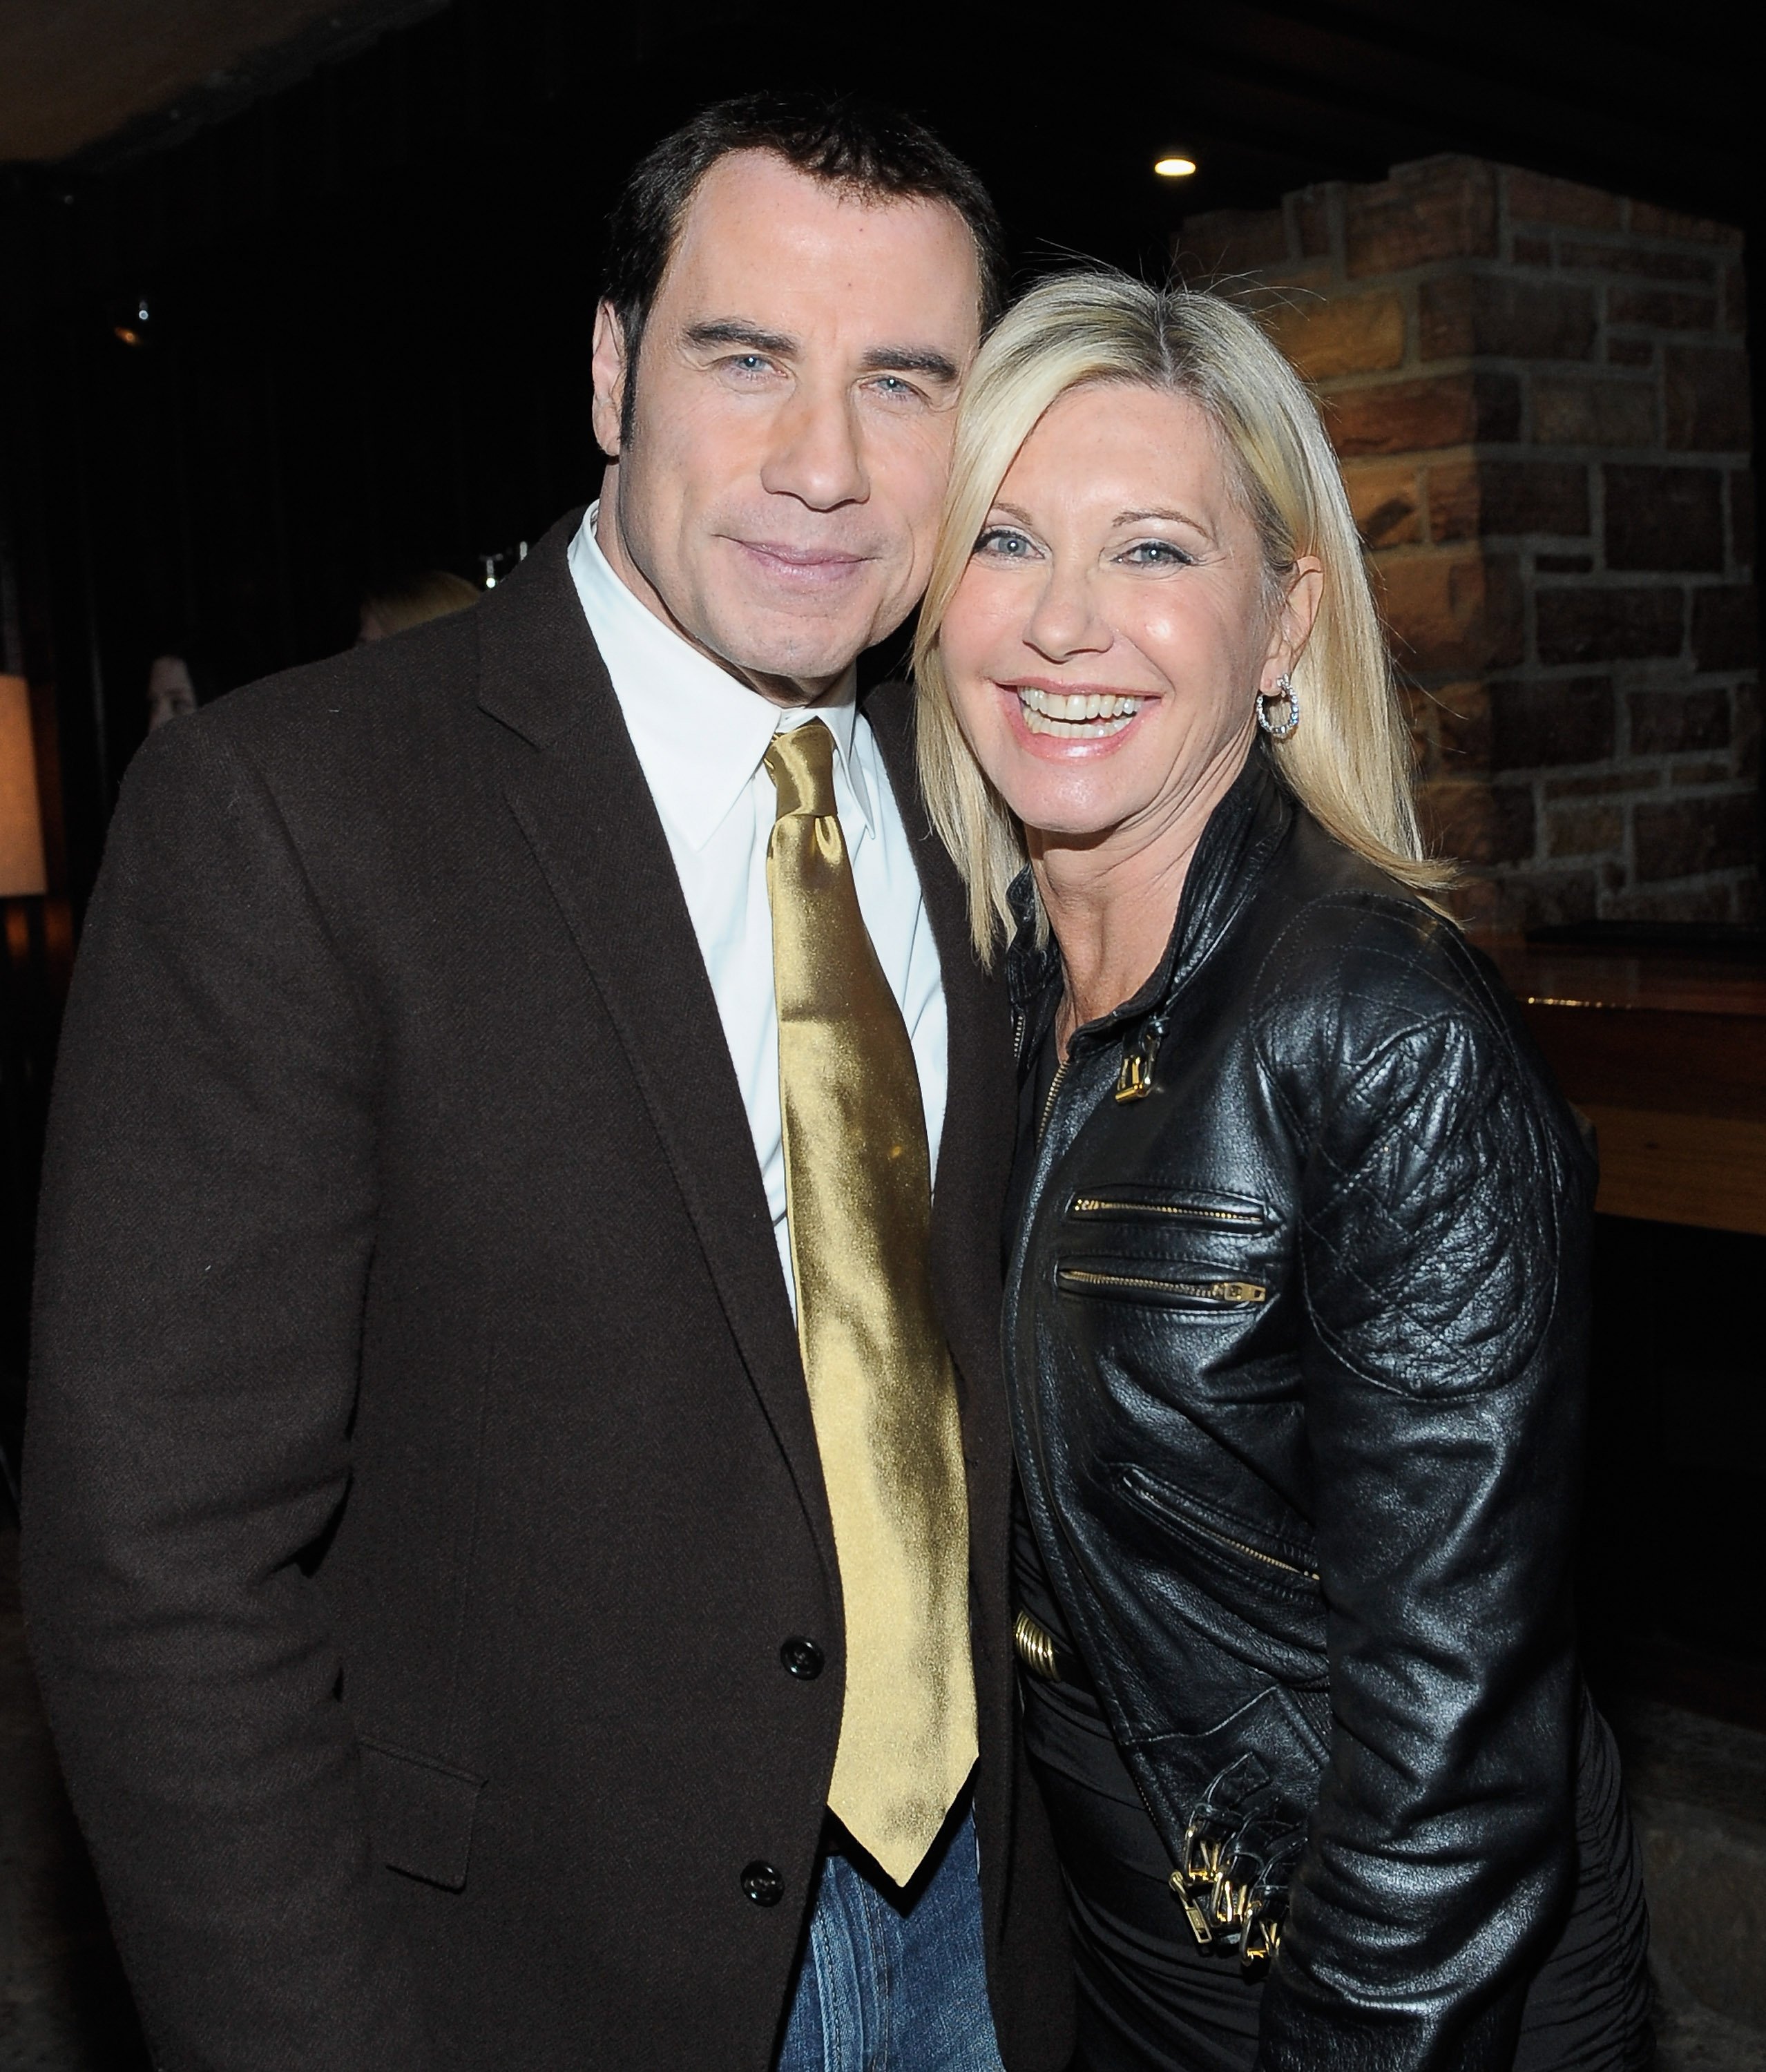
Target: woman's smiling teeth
[[1086, 714]]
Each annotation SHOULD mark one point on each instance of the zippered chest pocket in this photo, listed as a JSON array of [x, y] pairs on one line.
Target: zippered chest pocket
[[1203, 1252], [1171, 1286], [1131, 1201]]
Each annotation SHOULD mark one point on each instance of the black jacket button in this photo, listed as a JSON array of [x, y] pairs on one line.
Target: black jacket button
[[803, 1658], [763, 1884]]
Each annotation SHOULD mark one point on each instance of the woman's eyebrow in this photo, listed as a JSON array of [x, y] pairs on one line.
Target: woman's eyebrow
[[1171, 517]]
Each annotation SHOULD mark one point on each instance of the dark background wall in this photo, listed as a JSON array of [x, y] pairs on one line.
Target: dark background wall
[[370, 288]]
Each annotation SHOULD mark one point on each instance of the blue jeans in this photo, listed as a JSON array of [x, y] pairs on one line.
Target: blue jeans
[[885, 1988]]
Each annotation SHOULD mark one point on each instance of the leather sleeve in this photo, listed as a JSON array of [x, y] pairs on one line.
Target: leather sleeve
[[207, 1221], [1444, 1219]]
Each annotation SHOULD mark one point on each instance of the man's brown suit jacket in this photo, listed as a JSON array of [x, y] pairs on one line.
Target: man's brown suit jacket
[[420, 1480]]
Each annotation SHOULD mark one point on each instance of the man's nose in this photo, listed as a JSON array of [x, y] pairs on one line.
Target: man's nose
[[817, 455], [1064, 620]]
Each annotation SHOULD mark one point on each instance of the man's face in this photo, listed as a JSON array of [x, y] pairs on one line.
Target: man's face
[[796, 393]]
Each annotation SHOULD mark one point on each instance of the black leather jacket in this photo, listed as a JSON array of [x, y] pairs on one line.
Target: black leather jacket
[[1296, 1326]]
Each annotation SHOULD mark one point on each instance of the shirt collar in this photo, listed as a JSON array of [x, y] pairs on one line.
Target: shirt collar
[[700, 734]]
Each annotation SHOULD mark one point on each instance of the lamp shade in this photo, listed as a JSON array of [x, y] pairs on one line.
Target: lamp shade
[[21, 816]]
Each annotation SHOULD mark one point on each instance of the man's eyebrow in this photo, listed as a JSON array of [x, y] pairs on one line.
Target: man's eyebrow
[[739, 331], [910, 360], [879, 359]]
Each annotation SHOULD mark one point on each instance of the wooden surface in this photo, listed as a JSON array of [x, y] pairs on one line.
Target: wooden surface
[[1665, 1054]]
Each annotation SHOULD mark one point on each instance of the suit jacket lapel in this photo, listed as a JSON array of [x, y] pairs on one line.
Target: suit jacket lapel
[[573, 782]]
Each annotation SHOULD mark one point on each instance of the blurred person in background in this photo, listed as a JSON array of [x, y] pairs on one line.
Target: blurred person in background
[[170, 692]]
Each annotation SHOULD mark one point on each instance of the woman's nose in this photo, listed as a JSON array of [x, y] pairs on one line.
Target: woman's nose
[[1065, 620], [816, 456]]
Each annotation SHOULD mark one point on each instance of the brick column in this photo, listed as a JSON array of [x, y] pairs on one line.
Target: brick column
[[1539, 392]]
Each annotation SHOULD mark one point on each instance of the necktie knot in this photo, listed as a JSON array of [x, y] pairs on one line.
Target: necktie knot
[[801, 764]]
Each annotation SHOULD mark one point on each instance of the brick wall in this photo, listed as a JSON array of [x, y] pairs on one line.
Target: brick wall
[[1539, 392]]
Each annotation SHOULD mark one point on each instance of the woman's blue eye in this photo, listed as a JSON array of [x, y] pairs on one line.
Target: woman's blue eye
[[1010, 546], [1159, 554]]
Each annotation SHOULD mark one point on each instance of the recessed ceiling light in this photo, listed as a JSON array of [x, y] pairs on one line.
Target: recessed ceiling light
[[1174, 168]]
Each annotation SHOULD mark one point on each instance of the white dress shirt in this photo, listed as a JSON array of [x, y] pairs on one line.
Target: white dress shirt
[[700, 734]]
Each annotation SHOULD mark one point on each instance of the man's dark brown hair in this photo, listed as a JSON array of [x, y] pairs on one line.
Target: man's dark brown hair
[[873, 151]]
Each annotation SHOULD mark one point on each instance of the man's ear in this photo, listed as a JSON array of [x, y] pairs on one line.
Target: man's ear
[[608, 370]]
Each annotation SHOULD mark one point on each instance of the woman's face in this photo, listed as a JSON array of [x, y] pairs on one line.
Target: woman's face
[[1107, 643]]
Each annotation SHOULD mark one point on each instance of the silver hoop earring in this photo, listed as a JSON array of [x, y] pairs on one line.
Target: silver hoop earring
[[1284, 694]]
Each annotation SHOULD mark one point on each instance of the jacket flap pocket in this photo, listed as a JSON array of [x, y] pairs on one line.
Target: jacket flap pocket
[[421, 1813], [1275, 1739]]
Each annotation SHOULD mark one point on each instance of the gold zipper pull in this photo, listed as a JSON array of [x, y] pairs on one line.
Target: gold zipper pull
[[1133, 1082], [1197, 1920]]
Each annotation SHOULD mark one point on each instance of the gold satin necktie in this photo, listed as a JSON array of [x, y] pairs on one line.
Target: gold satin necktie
[[881, 1387]]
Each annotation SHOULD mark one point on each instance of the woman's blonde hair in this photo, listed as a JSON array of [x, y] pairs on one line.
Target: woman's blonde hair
[[1349, 762]]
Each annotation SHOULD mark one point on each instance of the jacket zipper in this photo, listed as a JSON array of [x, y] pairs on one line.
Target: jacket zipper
[[1049, 1098], [1226, 1539], [1096, 1205], [1256, 1553], [1217, 1291]]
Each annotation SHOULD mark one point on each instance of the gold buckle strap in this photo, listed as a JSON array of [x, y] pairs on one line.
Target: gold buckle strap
[[1036, 1647]]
